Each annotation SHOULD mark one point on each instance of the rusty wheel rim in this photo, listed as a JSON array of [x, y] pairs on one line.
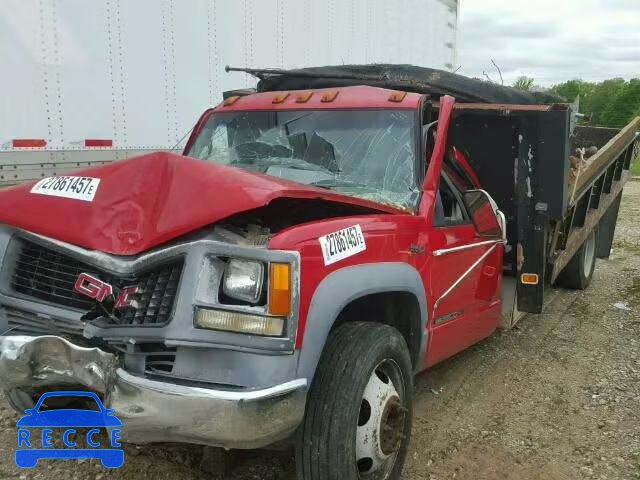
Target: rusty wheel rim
[[381, 422]]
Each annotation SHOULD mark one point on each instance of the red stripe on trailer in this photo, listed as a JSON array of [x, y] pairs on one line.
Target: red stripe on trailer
[[95, 142], [28, 143]]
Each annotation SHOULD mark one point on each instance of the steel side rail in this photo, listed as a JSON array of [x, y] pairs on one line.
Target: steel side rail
[[579, 235], [605, 156]]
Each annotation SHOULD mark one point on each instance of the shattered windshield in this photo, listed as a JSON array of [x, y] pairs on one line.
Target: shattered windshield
[[364, 153]]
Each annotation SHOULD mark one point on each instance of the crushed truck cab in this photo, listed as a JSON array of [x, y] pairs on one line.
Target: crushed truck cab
[[308, 253]]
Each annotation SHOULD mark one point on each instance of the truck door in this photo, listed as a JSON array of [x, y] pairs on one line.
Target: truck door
[[464, 275], [462, 271]]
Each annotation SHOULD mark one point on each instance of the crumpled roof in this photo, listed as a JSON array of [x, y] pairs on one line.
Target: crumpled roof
[[402, 77]]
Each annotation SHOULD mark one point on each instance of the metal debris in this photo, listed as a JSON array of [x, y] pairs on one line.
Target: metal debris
[[622, 306]]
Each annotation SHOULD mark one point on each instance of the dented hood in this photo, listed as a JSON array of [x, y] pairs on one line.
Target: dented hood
[[148, 200]]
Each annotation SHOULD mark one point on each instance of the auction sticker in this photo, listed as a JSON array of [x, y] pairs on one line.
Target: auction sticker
[[77, 188], [342, 244]]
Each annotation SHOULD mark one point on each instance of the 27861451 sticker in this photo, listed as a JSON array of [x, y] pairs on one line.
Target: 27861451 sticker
[[342, 244], [78, 188]]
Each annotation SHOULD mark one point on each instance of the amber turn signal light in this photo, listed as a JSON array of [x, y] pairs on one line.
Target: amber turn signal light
[[231, 100], [529, 278], [280, 289], [329, 96], [280, 98], [304, 97], [397, 97]]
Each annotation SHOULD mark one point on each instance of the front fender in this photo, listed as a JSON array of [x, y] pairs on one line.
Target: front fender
[[343, 286]]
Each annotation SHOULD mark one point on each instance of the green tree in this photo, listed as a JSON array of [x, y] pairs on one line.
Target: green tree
[[603, 94], [622, 108], [524, 83], [571, 89], [611, 103]]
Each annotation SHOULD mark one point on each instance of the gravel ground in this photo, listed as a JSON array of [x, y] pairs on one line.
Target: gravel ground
[[557, 397]]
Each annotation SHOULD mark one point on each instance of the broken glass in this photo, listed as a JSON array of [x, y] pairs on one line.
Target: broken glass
[[368, 154]]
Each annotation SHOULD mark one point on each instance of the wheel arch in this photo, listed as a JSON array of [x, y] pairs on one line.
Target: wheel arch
[[378, 289]]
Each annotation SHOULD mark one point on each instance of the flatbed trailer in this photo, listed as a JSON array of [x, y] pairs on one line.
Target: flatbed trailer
[[523, 157]]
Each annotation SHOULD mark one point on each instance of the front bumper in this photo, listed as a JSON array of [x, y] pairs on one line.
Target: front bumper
[[153, 411]]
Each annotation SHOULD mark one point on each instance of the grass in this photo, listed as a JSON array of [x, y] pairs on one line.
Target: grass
[[635, 167]]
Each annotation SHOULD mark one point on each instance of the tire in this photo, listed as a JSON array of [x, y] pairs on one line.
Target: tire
[[360, 362], [578, 273], [19, 400]]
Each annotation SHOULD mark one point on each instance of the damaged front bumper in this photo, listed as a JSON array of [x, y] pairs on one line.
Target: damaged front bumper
[[153, 411]]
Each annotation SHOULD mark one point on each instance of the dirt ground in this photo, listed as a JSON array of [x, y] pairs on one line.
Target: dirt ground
[[557, 397]]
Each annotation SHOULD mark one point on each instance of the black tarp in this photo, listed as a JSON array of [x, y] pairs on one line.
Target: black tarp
[[400, 77]]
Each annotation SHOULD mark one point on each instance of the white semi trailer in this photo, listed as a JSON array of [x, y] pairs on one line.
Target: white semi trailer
[[87, 82]]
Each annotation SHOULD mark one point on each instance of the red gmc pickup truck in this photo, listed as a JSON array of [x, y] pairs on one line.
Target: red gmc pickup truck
[[312, 249]]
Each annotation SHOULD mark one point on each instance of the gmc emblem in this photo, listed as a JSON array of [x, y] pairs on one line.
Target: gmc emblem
[[95, 288]]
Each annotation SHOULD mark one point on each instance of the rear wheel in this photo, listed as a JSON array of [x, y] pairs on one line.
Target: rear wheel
[[579, 271], [358, 418]]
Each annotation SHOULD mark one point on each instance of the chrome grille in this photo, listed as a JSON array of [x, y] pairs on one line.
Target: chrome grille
[[50, 276]]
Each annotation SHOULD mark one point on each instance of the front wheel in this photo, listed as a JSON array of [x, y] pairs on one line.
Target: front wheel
[[19, 400], [358, 417]]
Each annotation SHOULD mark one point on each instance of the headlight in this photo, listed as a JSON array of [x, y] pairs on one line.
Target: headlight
[[243, 280], [240, 322]]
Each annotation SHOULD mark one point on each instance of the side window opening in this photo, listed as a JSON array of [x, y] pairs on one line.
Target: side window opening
[[454, 180], [449, 209], [454, 170]]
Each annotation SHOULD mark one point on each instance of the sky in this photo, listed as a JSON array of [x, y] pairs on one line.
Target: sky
[[550, 40]]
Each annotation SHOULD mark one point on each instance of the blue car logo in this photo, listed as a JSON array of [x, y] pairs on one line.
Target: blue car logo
[[31, 448]]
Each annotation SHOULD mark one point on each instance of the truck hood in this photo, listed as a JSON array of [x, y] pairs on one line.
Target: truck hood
[[148, 200]]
